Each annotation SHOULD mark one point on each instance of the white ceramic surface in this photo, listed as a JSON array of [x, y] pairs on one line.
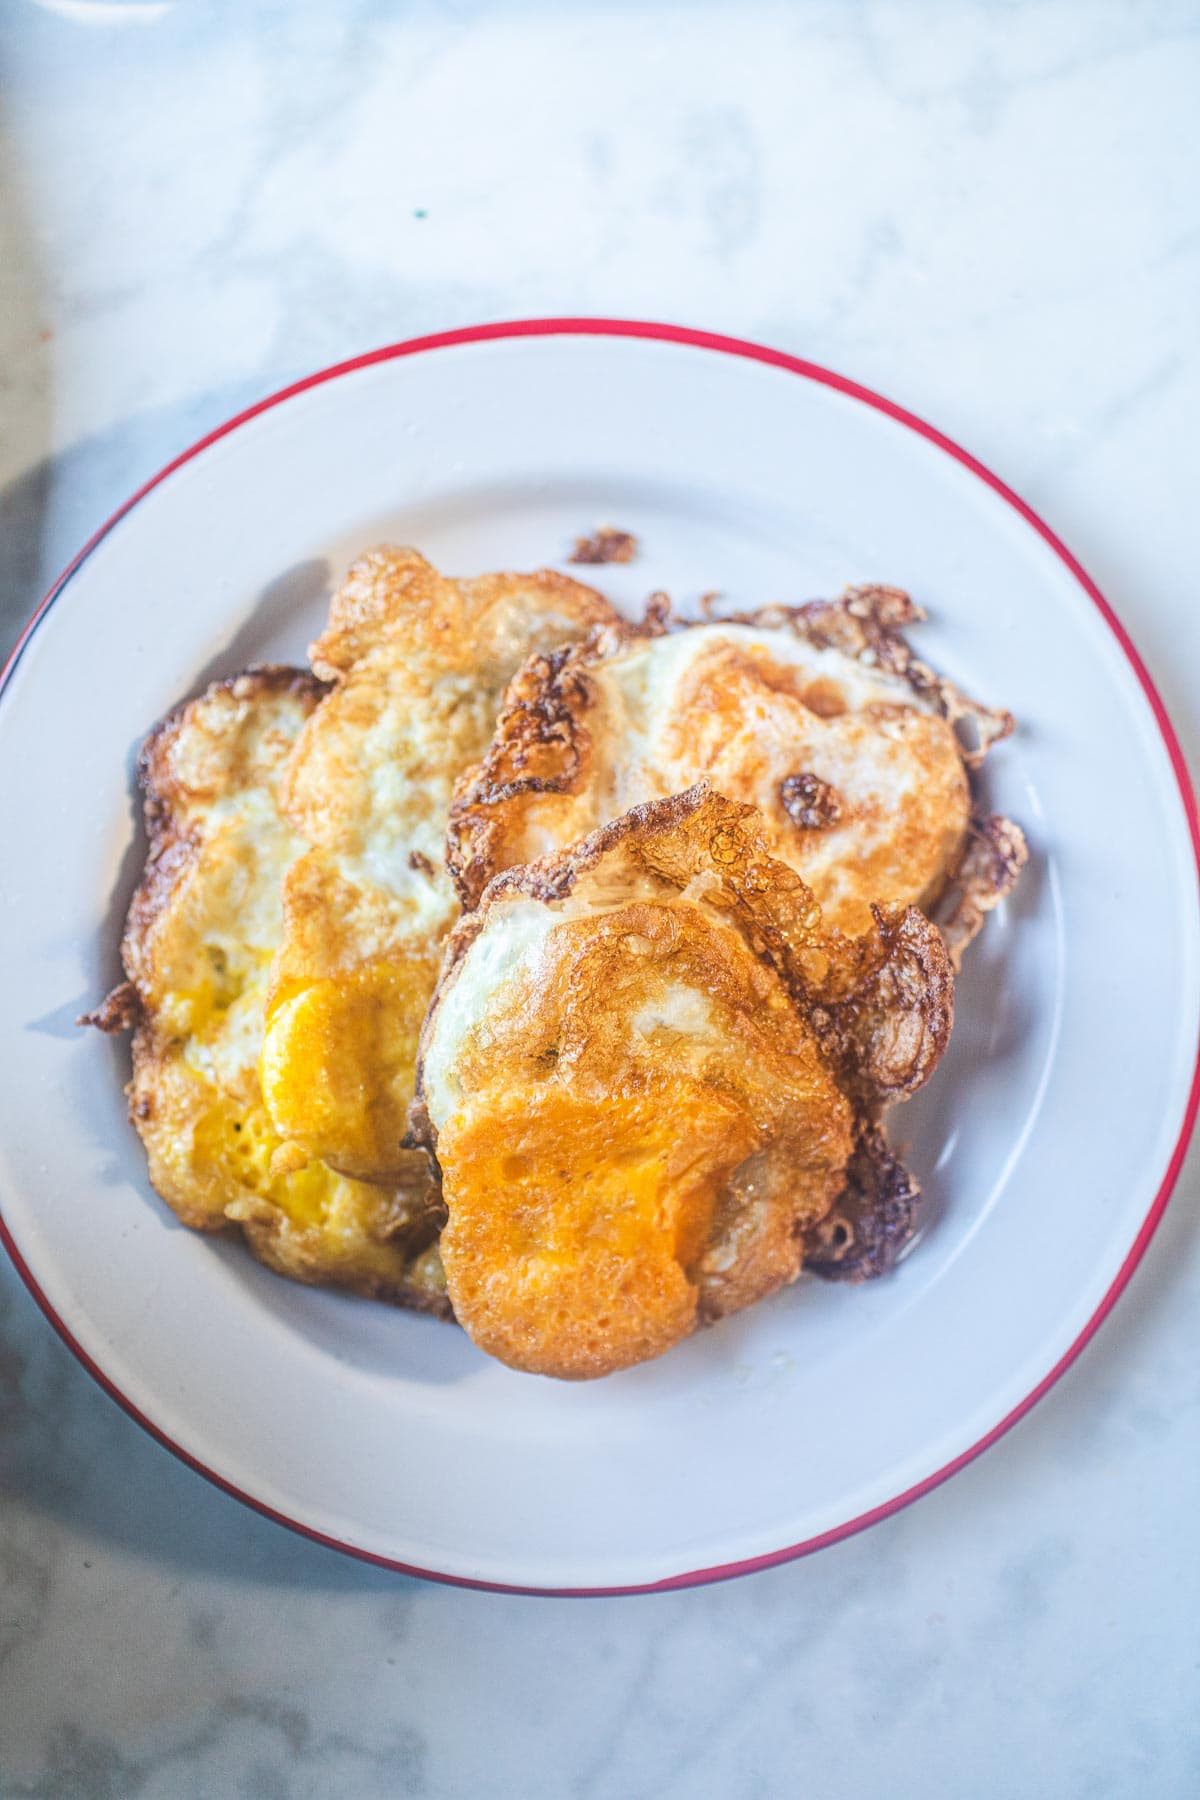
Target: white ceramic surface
[[988, 211], [1043, 1142]]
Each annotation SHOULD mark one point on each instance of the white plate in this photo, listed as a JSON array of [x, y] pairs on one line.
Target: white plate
[[1047, 1144]]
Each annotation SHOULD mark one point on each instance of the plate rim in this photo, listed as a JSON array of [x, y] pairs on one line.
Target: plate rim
[[746, 349]]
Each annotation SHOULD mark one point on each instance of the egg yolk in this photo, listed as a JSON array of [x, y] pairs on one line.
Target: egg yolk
[[338, 1062], [573, 1220]]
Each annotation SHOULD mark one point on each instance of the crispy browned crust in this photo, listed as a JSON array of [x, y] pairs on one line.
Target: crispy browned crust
[[883, 1003], [547, 880], [875, 1012], [414, 1221], [411, 1218], [172, 847], [607, 544], [889, 1031], [992, 861], [810, 803], [882, 1006], [874, 1220], [394, 594], [119, 1011], [542, 743], [540, 746], [868, 624]]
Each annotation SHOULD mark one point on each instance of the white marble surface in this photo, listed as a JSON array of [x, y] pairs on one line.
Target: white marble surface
[[992, 213]]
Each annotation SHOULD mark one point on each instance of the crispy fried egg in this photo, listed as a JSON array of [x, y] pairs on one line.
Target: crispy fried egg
[[819, 716], [653, 1078], [418, 663], [653, 1073], [203, 928]]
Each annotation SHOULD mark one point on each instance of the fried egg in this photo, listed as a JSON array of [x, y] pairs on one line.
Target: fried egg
[[819, 716], [203, 928], [417, 664], [653, 1079], [652, 1071]]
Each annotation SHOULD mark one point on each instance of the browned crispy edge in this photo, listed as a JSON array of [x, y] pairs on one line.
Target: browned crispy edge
[[876, 1216], [259, 1239], [171, 848], [546, 735], [548, 879], [874, 1221], [988, 870], [868, 624], [544, 707], [171, 851], [607, 544]]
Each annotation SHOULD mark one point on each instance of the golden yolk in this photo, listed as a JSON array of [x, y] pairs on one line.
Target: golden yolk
[[239, 1145], [573, 1221], [338, 1062]]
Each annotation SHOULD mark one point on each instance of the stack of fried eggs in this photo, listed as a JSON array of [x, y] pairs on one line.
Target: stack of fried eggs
[[551, 972]]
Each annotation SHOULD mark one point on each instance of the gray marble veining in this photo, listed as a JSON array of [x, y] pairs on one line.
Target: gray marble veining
[[990, 212]]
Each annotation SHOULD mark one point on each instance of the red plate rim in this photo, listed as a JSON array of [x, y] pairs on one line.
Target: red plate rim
[[809, 371]]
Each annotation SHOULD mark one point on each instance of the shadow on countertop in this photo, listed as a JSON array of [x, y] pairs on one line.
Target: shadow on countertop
[[68, 1452]]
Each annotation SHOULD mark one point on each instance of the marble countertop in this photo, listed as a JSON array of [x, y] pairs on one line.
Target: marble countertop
[[989, 212]]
